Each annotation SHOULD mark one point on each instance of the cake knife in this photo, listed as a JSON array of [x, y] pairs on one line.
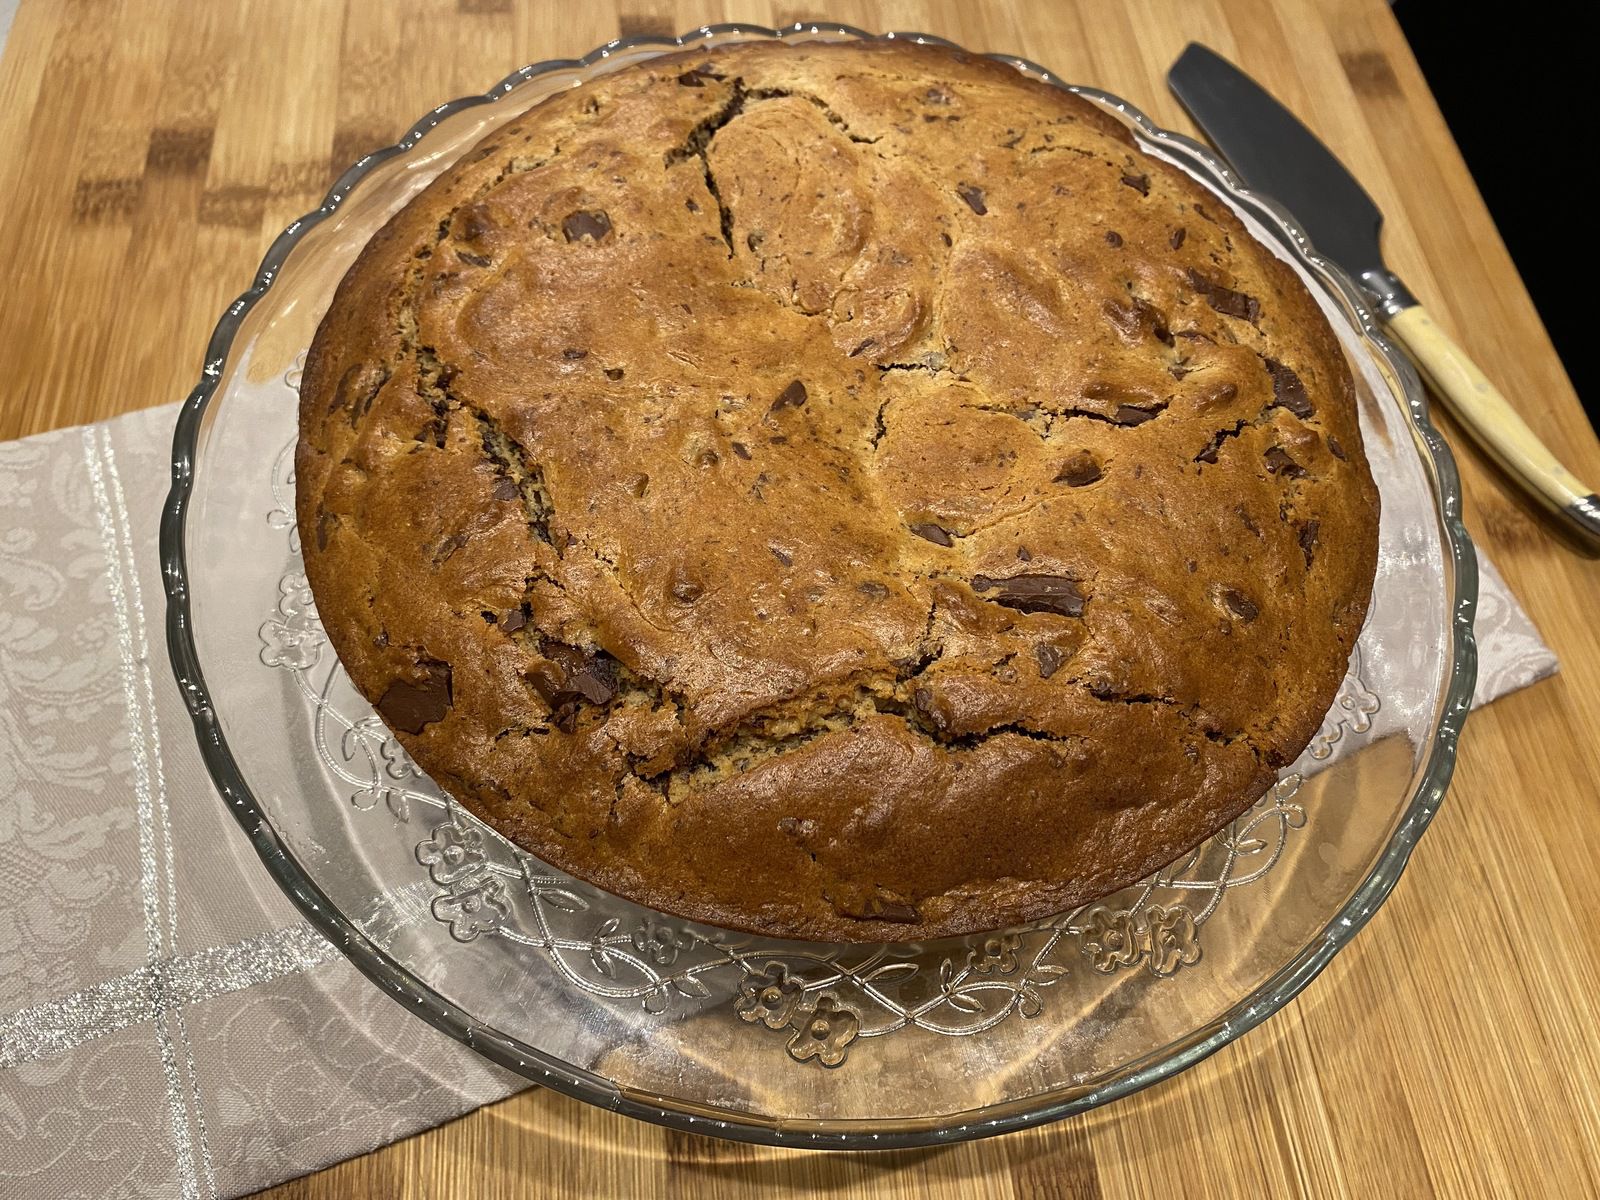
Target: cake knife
[[1271, 151]]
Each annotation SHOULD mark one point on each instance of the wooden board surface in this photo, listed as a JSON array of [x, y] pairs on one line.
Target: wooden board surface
[[150, 150]]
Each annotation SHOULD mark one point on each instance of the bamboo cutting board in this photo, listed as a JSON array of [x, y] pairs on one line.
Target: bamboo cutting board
[[150, 150]]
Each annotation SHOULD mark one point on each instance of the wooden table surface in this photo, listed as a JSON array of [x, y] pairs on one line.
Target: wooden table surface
[[150, 150]]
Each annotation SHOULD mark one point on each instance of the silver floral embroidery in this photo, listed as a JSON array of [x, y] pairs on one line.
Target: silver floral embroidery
[[821, 999]]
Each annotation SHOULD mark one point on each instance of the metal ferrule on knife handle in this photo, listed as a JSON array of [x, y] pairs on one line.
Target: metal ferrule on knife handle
[[1388, 295]]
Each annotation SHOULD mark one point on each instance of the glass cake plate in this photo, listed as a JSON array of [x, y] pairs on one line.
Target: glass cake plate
[[727, 1034]]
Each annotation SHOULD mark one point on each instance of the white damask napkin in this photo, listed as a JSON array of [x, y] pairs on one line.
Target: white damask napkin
[[168, 1026]]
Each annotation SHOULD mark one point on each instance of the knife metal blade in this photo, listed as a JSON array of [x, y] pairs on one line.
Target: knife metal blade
[[1271, 151]]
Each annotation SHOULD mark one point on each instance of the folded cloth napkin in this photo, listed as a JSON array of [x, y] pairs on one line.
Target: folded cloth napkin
[[168, 1025]]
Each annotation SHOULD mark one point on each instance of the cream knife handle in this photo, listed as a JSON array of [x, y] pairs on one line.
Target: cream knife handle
[[1489, 417]]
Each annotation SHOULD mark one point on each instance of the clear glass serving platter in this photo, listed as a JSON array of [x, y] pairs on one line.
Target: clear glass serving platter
[[727, 1034]]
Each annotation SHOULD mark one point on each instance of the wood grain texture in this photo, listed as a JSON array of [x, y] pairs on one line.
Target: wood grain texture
[[150, 150]]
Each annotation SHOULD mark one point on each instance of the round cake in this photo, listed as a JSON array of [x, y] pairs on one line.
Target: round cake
[[837, 491]]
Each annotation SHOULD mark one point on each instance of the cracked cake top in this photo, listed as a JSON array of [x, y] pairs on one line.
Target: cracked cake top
[[837, 491]]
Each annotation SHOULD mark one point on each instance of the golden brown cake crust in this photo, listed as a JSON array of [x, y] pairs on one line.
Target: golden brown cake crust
[[837, 491]]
